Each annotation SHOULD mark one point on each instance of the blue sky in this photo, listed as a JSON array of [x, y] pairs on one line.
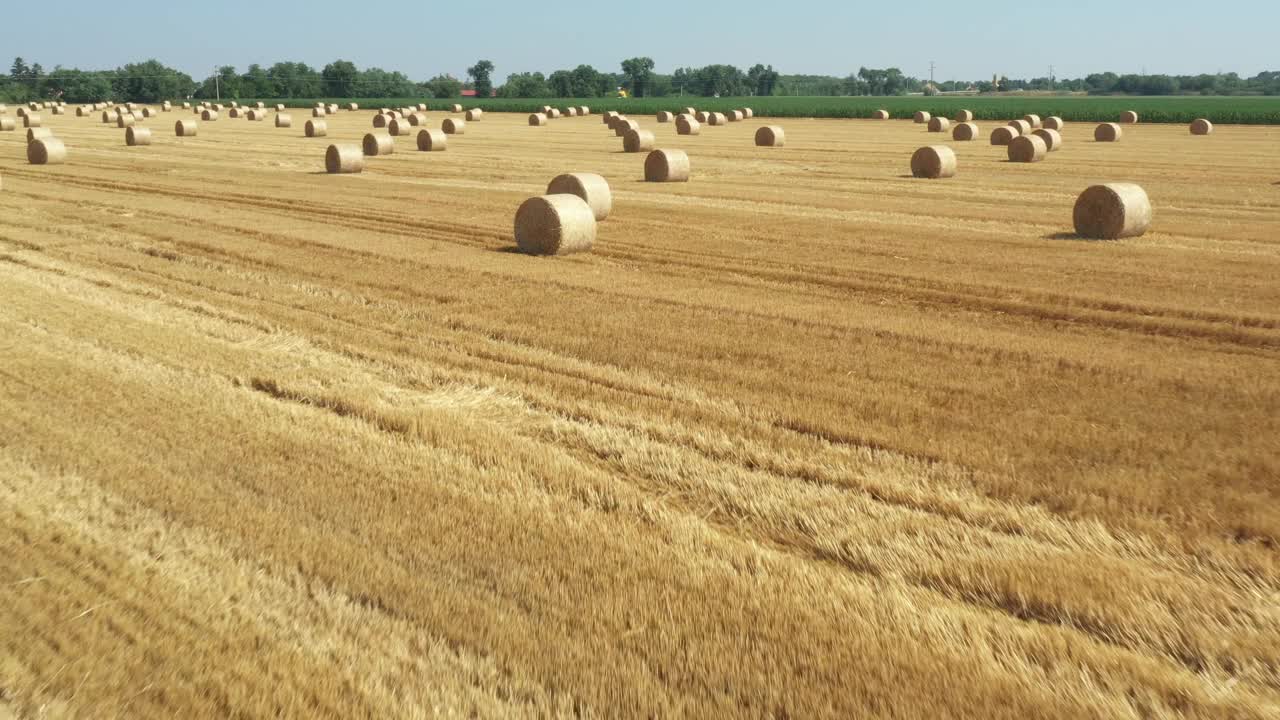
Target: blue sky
[[967, 40]]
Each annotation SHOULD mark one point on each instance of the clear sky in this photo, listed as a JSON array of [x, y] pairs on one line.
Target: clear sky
[[967, 40]]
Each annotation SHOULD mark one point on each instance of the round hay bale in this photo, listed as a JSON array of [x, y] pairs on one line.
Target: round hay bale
[[1054, 122], [688, 111], [545, 109], [702, 116], [454, 127], [686, 125], [1107, 132], [376, 144], [125, 121], [148, 112], [82, 112], [234, 113], [7, 124], [666, 166], [1027, 149], [332, 109], [166, 106], [554, 113], [284, 120], [555, 225], [1003, 135], [1129, 117], [318, 112], [624, 126], [608, 117], [474, 115], [717, 119], [432, 140], [922, 117], [280, 107], [256, 115], [537, 119], [455, 108], [30, 120], [217, 107], [1052, 138], [186, 106], [315, 128], [964, 116], [381, 119], [260, 105], [209, 115], [352, 107], [38, 132], [399, 127], [666, 117], [748, 113], [46, 151], [571, 111], [417, 119], [735, 116], [1201, 126], [422, 107], [939, 124], [185, 128], [965, 132], [933, 161], [592, 188], [584, 110], [58, 109], [22, 112], [136, 136], [343, 159], [234, 104], [1033, 121], [637, 141], [770, 136], [1022, 126], [1112, 211]]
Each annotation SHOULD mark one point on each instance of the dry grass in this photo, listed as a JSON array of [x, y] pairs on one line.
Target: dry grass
[[801, 437]]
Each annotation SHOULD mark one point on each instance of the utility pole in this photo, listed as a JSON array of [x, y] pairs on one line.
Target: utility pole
[[217, 84], [1050, 77], [930, 72]]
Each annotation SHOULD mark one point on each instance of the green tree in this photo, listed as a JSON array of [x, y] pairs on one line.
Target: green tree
[[256, 83], [151, 81], [444, 86], [560, 83], [294, 80], [480, 78], [339, 79], [761, 80], [638, 71], [584, 81], [526, 85]]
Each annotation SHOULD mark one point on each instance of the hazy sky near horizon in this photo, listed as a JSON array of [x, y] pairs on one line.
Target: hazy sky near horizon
[[967, 41]]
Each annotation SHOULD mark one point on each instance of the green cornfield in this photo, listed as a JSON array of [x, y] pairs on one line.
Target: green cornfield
[[1181, 109]]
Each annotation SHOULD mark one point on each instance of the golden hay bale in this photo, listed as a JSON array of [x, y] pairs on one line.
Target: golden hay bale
[[1052, 138], [185, 128], [553, 113], [584, 110], [717, 119], [318, 112], [637, 141], [1022, 126], [256, 115], [623, 126], [965, 132], [399, 128], [260, 105], [748, 113], [166, 106], [454, 127], [38, 132], [7, 123], [702, 116], [186, 106], [770, 136], [608, 117], [332, 109], [1129, 117], [1054, 122], [592, 188], [234, 104], [455, 108], [474, 115], [1003, 135], [1033, 121], [217, 107], [1027, 149], [666, 117], [57, 110], [545, 109], [1112, 211], [234, 112], [666, 166], [939, 124], [735, 116], [125, 121], [1107, 132], [417, 119], [22, 112], [555, 225], [1201, 127], [284, 120], [422, 107], [343, 159], [933, 161], [280, 107], [381, 119], [688, 111], [209, 115], [964, 116], [315, 128], [376, 144], [30, 120], [352, 107], [148, 112], [571, 111], [537, 119], [432, 140], [686, 125], [46, 151], [922, 117], [136, 136], [82, 112]]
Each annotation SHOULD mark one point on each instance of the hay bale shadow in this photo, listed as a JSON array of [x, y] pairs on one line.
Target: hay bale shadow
[[1067, 236]]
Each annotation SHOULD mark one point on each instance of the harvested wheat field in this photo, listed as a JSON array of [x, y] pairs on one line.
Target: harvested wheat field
[[802, 437]]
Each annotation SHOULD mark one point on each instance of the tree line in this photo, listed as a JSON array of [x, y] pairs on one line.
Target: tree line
[[151, 81]]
